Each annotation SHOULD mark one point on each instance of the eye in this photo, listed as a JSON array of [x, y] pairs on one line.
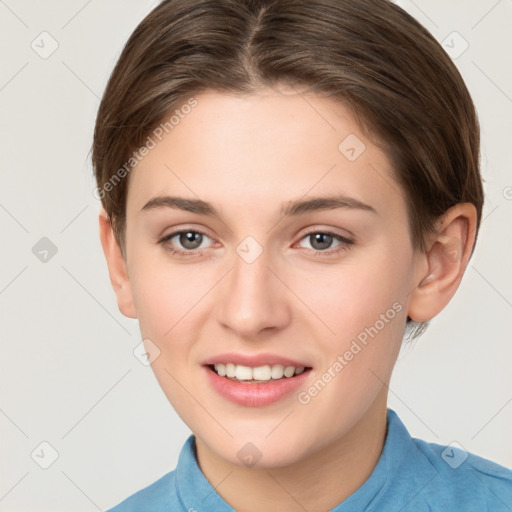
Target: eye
[[190, 240], [320, 241]]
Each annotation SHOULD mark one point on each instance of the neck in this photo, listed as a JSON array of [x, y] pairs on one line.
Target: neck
[[318, 482]]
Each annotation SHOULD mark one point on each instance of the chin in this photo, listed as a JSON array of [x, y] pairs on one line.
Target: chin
[[259, 451]]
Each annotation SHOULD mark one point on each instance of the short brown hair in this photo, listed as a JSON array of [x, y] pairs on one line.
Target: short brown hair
[[368, 54]]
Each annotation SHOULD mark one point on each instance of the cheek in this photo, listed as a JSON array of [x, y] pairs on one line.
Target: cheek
[[363, 303], [354, 295], [166, 293]]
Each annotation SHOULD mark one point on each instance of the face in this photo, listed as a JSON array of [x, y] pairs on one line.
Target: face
[[265, 231]]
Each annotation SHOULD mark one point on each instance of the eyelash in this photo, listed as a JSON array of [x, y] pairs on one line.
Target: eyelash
[[345, 243]]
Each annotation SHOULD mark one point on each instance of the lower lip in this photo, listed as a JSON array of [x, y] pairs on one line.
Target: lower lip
[[255, 394]]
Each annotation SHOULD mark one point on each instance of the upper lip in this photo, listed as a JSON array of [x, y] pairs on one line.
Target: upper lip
[[254, 360]]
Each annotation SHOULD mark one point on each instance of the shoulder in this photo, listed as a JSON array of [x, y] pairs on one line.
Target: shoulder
[[160, 495], [421, 476], [176, 490], [467, 478]]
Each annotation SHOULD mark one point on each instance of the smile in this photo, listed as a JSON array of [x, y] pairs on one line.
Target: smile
[[259, 386], [258, 374]]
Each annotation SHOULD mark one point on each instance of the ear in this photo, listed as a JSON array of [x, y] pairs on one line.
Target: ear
[[447, 258], [117, 267]]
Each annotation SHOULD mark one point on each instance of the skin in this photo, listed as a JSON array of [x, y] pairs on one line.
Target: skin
[[249, 155]]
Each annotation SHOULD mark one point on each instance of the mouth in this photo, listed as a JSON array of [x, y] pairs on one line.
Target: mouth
[[257, 375], [255, 381]]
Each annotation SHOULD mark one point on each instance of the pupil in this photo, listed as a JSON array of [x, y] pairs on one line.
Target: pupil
[[322, 240], [187, 240]]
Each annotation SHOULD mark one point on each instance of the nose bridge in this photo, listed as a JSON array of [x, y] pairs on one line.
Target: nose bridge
[[253, 300], [250, 276]]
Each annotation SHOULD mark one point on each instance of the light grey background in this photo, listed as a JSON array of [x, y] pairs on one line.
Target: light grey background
[[67, 372]]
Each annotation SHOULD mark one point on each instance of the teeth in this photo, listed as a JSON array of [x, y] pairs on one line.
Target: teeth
[[230, 370], [289, 371], [277, 371], [261, 373], [243, 372]]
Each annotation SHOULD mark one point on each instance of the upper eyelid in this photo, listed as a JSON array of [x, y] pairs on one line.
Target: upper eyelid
[[184, 230], [170, 236], [340, 238]]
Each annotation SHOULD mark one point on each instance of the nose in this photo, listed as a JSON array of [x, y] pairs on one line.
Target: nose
[[254, 299]]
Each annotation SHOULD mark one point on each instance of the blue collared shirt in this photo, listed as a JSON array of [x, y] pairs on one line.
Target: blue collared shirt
[[410, 476]]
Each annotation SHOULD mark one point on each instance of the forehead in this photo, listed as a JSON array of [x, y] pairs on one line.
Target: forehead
[[263, 149]]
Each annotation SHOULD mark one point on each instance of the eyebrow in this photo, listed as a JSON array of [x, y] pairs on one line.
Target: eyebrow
[[290, 209]]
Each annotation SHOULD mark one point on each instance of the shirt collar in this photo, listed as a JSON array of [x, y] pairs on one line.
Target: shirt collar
[[400, 474], [194, 490]]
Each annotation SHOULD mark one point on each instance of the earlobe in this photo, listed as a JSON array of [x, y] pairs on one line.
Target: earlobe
[[117, 267], [448, 255]]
